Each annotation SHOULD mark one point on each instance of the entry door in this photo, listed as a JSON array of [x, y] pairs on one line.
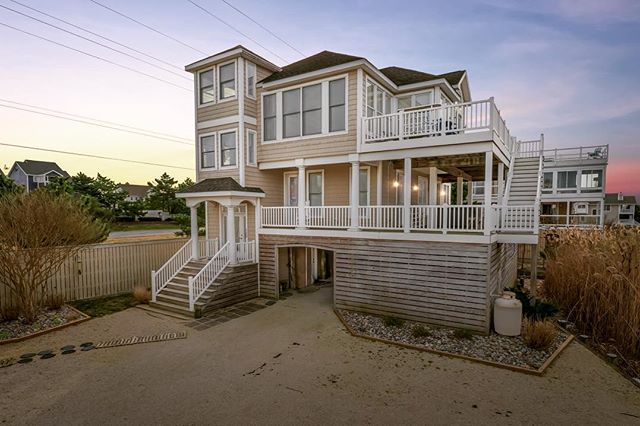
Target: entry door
[[291, 190], [240, 224]]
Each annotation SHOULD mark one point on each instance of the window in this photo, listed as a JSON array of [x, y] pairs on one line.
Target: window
[[291, 189], [337, 110], [205, 83], [567, 179], [404, 102], [228, 149], [607, 208], [315, 188], [377, 100], [548, 180], [208, 151], [227, 77], [269, 111], [422, 99], [419, 99], [291, 113], [398, 183], [312, 110], [363, 186], [251, 148], [591, 179], [423, 185], [251, 80]]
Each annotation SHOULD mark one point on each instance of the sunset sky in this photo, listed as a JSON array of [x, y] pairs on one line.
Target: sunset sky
[[568, 69]]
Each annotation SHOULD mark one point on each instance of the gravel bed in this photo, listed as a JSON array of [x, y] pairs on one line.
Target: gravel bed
[[493, 347], [48, 318]]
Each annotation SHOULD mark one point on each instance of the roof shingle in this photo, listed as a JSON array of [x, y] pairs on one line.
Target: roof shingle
[[612, 198], [324, 59], [219, 185], [401, 76], [34, 167]]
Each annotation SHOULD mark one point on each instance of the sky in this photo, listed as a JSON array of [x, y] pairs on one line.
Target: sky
[[565, 68]]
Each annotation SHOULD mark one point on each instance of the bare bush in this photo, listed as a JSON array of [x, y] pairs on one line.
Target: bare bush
[[141, 294], [538, 334], [595, 277], [38, 232]]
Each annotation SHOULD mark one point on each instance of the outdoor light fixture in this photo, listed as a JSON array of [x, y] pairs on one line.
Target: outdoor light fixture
[[415, 187], [396, 184], [443, 193]]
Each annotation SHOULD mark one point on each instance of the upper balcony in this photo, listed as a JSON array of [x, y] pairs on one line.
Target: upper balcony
[[595, 154], [477, 121]]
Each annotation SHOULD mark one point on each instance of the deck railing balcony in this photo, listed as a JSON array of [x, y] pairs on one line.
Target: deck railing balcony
[[415, 218], [469, 117], [580, 154]]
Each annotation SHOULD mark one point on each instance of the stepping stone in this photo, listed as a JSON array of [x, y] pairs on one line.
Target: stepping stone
[[45, 352], [24, 360], [67, 348], [68, 351], [28, 355], [87, 348], [47, 356], [270, 302], [84, 345]]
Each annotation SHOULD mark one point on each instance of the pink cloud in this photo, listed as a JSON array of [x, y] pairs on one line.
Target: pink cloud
[[624, 176]]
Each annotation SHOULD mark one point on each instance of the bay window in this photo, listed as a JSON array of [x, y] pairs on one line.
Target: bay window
[[228, 149], [208, 152], [337, 99], [291, 113], [312, 110], [227, 79], [269, 112], [205, 84]]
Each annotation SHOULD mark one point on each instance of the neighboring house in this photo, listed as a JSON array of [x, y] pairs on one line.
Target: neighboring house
[[33, 174], [333, 170], [135, 192], [619, 209]]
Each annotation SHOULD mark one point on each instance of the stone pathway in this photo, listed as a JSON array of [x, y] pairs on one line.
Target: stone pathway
[[223, 315]]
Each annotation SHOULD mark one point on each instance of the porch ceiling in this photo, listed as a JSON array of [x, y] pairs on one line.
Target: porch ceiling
[[453, 165]]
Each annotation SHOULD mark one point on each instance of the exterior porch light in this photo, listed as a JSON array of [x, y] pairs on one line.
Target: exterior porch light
[[396, 184], [415, 187]]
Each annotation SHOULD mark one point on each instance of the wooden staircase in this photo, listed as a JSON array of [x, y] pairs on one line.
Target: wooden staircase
[[524, 181]]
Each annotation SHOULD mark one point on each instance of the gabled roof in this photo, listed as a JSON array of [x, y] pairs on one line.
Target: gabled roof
[[401, 76], [232, 52], [34, 167], [319, 61], [140, 191], [225, 184], [612, 198]]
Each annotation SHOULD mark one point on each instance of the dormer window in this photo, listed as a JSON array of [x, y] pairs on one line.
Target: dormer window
[[227, 78], [205, 83]]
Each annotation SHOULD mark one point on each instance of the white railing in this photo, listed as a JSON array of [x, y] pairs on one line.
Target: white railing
[[162, 276], [246, 251], [569, 220], [448, 218], [203, 279], [595, 152], [499, 127], [207, 248], [381, 217], [529, 149], [327, 216], [280, 216], [516, 218]]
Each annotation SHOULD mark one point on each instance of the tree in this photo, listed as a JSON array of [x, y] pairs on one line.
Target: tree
[[163, 193], [132, 208], [8, 186], [636, 214], [38, 232], [108, 194], [82, 188], [454, 191]]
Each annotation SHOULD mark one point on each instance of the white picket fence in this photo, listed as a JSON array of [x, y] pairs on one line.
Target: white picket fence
[[106, 269]]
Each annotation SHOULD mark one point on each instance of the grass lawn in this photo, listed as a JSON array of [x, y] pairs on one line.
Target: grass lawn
[[142, 226], [105, 305]]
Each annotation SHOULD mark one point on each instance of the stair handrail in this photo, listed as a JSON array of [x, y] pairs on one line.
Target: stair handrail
[[161, 277], [539, 188], [199, 283]]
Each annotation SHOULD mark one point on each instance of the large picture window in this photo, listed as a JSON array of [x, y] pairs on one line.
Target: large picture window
[[337, 99], [205, 83], [208, 152], [227, 77], [591, 179], [567, 179], [269, 112], [291, 113], [228, 149], [312, 110]]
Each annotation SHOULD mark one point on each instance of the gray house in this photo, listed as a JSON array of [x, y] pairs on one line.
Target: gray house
[[33, 174], [619, 209]]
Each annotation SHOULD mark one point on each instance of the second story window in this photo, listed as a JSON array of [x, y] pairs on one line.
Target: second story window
[[205, 84], [567, 179], [591, 179], [312, 110], [228, 149], [337, 99], [547, 180], [227, 80], [251, 80], [378, 101], [208, 152], [291, 113], [269, 113], [251, 148]]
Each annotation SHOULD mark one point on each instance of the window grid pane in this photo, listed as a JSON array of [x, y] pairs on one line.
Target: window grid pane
[[337, 109], [291, 113], [227, 81], [206, 87], [208, 154], [228, 149]]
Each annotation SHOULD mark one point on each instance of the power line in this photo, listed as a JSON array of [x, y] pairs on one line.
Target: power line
[[99, 35], [96, 119], [94, 42], [95, 124], [148, 27], [96, 57], [79, 154], [235, 29], [261, 26]]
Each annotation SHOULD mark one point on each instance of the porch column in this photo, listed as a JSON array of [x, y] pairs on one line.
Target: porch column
[[488, 178], [302, 195], [433, 186], [258, 226], [406, 196], [459, 190], [379, 183], [231, 233], [601, 213], [500, 182], [470, 192], [355, 195], [194, 232]]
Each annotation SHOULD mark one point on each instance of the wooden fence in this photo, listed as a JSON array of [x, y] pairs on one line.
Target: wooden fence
[[106, 269]]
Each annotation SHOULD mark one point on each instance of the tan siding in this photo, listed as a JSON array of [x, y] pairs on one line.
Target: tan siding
[[438, 283], [314, 147], [210, 174], [213, 220], [251, 222], [218, 110], [272, 183]]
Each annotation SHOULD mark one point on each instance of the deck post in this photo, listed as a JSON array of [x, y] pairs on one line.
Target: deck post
[[355, 195], [194, 232], [406, 196], [231, 233], [302, 191], [533, 283], [470, 192], [459, 190], [488, 180], [500, 182], [433, 186]]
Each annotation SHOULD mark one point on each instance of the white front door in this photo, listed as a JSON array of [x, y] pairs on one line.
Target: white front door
[[240, 223]]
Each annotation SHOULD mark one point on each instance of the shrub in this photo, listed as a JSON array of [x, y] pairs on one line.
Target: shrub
[[9, 314], [538, 334], [55, 301], [141, 294], [462, 333], [390, 321], [420, 331]]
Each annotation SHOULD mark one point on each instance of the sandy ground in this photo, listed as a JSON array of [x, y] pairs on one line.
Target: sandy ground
[[293, 363]]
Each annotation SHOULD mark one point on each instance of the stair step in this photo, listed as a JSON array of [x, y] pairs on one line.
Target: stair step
[[172, 300], [158, 310], [172, 308]]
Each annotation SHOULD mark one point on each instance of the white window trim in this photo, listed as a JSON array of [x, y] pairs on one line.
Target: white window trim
[[218, 92], [255, 148], [215, 151], [377, 87], [219, 149], [325, 110], [255, 77], [200, 104], [307, 181]]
